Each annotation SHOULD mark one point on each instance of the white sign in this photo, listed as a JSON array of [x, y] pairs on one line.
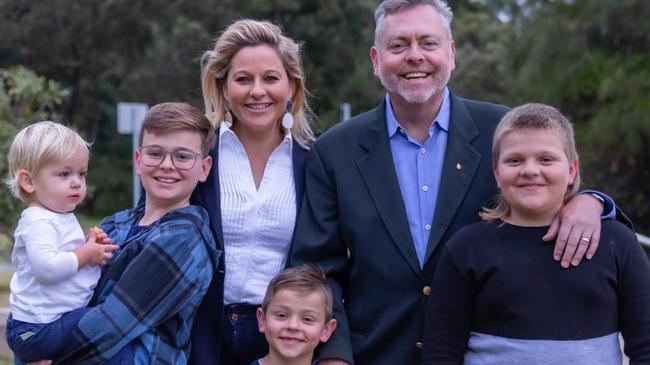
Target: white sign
[[130, 116], [129, 121]]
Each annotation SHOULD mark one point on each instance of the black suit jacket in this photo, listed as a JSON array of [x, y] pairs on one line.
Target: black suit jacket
[[353, 223], [206, 332]]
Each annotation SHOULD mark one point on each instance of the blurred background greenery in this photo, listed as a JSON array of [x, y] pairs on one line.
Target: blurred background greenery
[[74, 61]]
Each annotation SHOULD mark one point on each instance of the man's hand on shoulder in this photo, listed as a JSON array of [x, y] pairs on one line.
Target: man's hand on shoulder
[[576, 230]]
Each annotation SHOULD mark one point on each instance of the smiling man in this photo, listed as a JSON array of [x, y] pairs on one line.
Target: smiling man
[[385, 190]]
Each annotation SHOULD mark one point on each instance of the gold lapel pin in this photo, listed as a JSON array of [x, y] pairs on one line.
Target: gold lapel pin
[[458, 166]]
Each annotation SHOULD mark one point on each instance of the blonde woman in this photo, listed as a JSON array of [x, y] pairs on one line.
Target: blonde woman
[[254, 91]]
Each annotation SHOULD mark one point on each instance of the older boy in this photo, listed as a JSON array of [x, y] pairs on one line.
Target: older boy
[[147, 296], [296, 315]]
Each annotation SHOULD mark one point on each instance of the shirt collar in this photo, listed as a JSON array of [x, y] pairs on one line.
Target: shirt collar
[[225, 130], [442, 119]]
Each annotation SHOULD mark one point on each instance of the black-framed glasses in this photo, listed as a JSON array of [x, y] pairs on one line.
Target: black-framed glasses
[[182, 159]]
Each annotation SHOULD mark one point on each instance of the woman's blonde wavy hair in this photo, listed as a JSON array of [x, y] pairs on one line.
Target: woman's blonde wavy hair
[[215, 65], [532, 116]]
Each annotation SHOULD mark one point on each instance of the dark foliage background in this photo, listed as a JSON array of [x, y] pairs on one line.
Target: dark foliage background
[[590, 58]]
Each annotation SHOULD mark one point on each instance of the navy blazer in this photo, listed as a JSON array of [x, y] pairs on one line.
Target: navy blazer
[[206, 332], [354, 224]]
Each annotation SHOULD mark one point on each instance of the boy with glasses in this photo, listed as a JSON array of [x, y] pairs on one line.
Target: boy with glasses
[[148, 294]]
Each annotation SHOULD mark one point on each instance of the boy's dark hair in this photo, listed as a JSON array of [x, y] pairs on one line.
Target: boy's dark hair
[[304, 279], [168, 117]]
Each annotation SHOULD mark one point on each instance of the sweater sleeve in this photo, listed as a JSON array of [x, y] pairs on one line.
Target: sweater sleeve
[[633, 294], [449, 313]]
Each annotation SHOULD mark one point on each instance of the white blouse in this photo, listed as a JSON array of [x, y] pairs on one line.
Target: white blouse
[[257, 224]]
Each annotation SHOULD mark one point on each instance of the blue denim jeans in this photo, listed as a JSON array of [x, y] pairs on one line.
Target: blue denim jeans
[[38, 341], [242, 341]]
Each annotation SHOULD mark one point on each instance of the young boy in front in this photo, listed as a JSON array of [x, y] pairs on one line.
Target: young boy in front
[[296, 315], [148, 294]]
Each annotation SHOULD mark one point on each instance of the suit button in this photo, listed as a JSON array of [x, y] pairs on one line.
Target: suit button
[[426, 290], [418, 345]]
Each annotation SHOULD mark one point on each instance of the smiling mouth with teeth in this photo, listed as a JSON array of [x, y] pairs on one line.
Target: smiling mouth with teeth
[[291, 339], [258, 106], [415, 75], [166, 179]]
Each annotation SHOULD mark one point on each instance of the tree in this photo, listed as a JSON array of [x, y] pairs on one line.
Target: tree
[[24, 97], [591, 59], [587, 57]]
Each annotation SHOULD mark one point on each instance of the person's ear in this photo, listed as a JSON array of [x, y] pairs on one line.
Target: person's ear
[[261, 317], [26, 182], [137, 158], [374, 58], [328, 330], [495, 171], [206, 165], [573, 171], [224, 91], [452, 55]]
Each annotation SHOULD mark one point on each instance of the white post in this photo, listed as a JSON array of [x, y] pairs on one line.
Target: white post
[[345, 111], [129, 121]]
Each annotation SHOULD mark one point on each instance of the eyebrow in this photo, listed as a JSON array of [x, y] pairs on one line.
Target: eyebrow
[[234, 72], [172, 150]]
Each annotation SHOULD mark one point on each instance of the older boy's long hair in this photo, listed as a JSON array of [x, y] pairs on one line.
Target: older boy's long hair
[[303, 279], [532, 116]]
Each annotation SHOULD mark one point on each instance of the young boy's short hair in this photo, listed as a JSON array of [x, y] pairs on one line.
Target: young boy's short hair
[[303, 279], [37, 145], [171, 117], [536, 117]]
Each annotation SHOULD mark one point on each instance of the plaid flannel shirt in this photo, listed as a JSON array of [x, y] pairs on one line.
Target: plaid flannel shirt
[[148, 295]]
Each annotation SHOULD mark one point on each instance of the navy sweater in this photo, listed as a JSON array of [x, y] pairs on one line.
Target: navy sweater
[[499, 298]]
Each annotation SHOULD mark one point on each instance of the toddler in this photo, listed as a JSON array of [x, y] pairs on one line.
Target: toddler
[[56, 266]]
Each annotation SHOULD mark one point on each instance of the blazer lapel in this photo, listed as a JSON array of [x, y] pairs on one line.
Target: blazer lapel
[[461, 162], [299, 159], [378, 172], [208, 195]]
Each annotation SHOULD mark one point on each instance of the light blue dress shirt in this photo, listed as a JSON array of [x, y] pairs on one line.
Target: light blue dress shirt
[[419, 169]]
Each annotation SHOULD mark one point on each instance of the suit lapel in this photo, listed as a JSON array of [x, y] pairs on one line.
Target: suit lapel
[[378, 172], [208, 194], [460, 165], [299, 159]]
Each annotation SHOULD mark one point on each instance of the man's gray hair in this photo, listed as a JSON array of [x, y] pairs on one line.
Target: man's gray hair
[[388, 7]]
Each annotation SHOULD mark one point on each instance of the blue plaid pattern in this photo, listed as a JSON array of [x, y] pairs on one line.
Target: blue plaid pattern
[[148, 295]]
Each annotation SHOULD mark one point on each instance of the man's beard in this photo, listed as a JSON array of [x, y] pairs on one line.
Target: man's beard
[[413, 96]]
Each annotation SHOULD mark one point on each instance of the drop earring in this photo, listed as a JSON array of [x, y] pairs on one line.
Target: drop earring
[[287, 119], [227, 118]]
